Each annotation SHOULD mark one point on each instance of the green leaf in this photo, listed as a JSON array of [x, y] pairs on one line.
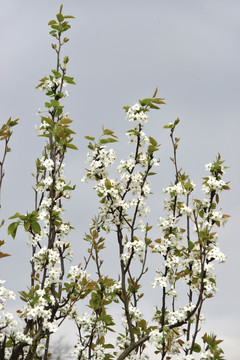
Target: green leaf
[[9, 343], [69, 80], [153, 141], [108, 140], [33, 214], [56, 73], [53, 33], [145, 102], [190, 245], [66, 121], [108, 184], [154, 107], [196, 348], [12, 229], [55, 27], [65, 28], [10, 123], [158, 101], [151, 149], [108, 346], [71, 146], [107, 319], [69, 17], [27, 225], [45, 135], [58, 111], [35, 299], [176, 121], [68, 131], [90, 146], [60, 17], [54, 103], [48, 120], [52, 22], [17, 215], [126, 108], [36, 228], [24, 294], [108, 132], [202, 234], [47, 105], [89, 138]]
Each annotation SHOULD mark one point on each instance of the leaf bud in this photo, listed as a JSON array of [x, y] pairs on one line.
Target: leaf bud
[[66, 60]]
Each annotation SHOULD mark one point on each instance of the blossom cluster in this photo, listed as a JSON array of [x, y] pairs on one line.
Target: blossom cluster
[[136, 112], [49, 299], [192, 263], [188, 251], [7, 321], [98, 162], [89, 326], [46, 166], [213, 184], [121, 198], [54, 83], [135, 247]]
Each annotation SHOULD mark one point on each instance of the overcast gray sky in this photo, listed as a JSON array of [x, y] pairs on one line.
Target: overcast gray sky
[[120, 50]]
